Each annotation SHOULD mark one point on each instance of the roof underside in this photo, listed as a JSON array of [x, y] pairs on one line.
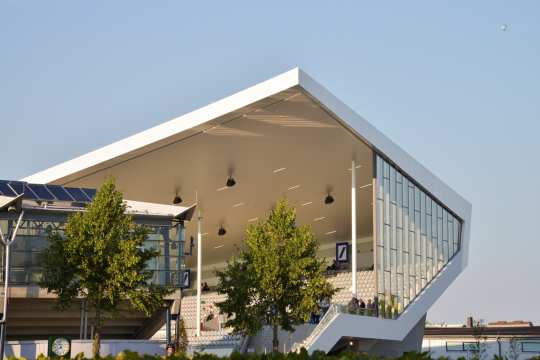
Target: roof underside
[[286, 137], [286, 148]]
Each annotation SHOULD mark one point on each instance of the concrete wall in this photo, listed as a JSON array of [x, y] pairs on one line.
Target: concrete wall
[[218, 351], [411, 342], [27, 349], [31, 349], [262, 342], [113, 347]]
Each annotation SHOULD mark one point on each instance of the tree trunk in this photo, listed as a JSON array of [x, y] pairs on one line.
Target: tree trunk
[[177, 324], [275, 340], [96, 344]]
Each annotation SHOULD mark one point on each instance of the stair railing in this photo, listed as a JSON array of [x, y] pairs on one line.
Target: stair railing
[[327, 318]]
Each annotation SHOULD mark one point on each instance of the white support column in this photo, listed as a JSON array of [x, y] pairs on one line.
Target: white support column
[[354, 286], [199, 271]]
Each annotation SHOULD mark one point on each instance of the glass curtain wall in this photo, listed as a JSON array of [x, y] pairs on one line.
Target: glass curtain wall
[[415, 238], [169, 241], [32, 239]]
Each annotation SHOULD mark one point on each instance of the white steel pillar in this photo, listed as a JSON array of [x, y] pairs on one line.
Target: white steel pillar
[[354, 285], [199, 271]]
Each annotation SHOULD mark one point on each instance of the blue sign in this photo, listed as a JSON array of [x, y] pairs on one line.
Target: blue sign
[[342, 252]]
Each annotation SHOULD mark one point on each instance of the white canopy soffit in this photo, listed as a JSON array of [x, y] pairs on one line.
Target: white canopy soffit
[[269, 91], [132, 207], [285, 137], [7, 201], [170, 211]]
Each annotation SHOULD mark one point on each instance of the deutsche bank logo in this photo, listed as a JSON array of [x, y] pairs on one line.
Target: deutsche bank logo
[[185, 279], [342, 252]]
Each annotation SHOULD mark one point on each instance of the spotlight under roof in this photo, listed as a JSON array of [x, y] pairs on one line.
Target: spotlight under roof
[[221, 231], [177, 200], [328, 199], [230, 182]]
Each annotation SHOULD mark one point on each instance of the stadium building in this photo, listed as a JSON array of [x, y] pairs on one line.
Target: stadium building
[[399, 234]]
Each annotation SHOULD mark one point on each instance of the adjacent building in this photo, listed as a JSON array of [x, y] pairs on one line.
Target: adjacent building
[[42, 209], [509, 339]]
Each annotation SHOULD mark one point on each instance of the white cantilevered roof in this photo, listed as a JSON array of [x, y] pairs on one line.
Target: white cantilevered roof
[[285, 137], [197, 121]]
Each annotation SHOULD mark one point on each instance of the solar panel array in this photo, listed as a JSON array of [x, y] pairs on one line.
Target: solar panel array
[[45, 192]]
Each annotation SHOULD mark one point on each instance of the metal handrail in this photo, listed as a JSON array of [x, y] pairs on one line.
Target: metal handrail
[[327, 318], [333, 311], [344, 309]]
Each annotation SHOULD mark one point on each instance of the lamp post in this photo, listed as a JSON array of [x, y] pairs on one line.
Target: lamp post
[[12, 204]]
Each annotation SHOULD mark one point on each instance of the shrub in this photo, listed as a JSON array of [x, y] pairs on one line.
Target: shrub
[[302, 355]]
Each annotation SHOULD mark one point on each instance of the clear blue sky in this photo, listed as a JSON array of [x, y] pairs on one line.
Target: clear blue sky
[[440, 78]]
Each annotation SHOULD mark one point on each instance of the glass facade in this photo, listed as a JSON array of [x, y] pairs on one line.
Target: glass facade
[[415, 235], [25, 266]]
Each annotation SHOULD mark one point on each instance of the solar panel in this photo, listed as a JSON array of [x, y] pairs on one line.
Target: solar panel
[[77, 194], [91, 193], [29, 194], [17, 186], [41, 191], [59, 192], [5, 189]]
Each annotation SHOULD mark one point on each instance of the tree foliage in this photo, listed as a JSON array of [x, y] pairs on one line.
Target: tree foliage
[[100, 258], [277, 279]]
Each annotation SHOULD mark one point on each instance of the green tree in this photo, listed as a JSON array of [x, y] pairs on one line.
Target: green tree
[[277, 279], [100, 258]]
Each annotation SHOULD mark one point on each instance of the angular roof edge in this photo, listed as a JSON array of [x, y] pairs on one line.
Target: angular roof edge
[[386, 147], [295, 77], [162, 131]]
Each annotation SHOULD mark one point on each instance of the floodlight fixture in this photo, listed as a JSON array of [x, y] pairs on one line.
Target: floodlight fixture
[[230, 182], [177, 200], [222, 231], [328, 199]]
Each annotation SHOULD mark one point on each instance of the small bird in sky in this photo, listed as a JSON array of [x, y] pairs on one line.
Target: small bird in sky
[[504, 27]]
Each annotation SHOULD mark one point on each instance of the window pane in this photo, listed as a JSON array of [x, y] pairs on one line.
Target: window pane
[[530, 346], [454, 346]]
